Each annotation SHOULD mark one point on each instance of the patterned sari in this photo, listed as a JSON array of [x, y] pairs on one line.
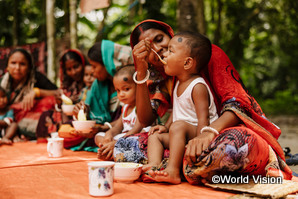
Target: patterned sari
[[250, 148], [27, 120]]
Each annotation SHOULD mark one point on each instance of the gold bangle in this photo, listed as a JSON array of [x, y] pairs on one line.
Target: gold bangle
[[36, 91]]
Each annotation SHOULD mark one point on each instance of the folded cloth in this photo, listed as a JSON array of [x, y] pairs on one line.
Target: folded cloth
[[66, 131]]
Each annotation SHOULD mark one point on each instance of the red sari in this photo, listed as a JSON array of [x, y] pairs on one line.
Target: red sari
[[250, 148]]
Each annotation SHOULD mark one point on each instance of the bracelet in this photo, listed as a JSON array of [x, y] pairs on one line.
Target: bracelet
[[36, 91], [141, 81], [7, 121], [108, 124], [57, 108], [209, 129]]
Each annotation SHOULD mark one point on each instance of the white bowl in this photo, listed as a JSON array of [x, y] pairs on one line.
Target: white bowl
[[67, 109], [84, 126], [127, 172]]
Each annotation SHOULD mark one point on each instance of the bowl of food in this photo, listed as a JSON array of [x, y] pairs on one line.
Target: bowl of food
[[83, 126], [67, 109], [127, 172]]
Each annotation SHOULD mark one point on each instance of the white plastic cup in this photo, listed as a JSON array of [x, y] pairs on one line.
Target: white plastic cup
[[55, 147], [101, 178]]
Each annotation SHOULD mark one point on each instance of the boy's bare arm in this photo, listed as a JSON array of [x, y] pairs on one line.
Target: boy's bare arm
[[115, 130], [201, 101]]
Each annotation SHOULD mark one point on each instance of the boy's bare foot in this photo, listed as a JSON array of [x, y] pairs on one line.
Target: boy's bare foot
[[167, 175], [5, 140], [148, 167]]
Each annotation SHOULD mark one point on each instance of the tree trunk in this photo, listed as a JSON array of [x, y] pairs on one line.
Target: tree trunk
[[132, 13], [15, 24], [101, 35], [217, 33], [190, 16], [43, 30], [66, 17], [50, 40], [201, 17], [73, 23]]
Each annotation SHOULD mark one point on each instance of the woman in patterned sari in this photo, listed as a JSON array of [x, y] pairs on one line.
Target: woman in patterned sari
[[71, 71], [30, 92], [242, 140]]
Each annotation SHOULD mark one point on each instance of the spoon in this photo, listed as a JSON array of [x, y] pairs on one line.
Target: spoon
[[162, 61]]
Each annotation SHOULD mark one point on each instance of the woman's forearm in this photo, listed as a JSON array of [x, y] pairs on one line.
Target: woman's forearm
[[144, 110], [46, 93], [226, 120]]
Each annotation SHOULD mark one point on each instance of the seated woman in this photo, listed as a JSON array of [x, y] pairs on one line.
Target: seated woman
[[242, 140], [101, 103], [30, 92], [71, 73]]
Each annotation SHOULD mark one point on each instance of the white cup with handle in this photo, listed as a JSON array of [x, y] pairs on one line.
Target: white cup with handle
[[101, 178], [55, 147]]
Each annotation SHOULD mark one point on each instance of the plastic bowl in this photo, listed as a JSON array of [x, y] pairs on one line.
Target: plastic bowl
[[127, 172], [67, 109], [83, 126]]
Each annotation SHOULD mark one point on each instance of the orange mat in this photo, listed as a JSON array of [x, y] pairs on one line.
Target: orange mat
[[27, 172]]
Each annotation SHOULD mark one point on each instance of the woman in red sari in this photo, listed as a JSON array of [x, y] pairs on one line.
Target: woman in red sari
[[242, 140], [30, 92]]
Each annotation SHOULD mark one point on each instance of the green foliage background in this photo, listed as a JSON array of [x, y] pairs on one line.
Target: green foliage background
[[259, 36]]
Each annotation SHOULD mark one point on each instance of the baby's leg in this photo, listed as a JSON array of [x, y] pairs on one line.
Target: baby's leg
[[156, 145], [10, 132], [180, 133]]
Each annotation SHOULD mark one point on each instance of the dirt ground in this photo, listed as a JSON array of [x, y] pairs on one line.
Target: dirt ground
[[289, 134]]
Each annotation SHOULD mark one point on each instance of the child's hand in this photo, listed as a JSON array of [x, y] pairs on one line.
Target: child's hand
[[107, 138], [197, 145], [157, 129], [105, 151]]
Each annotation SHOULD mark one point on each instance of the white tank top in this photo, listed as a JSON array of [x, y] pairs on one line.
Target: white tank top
[[130, 120], [184, 108]]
